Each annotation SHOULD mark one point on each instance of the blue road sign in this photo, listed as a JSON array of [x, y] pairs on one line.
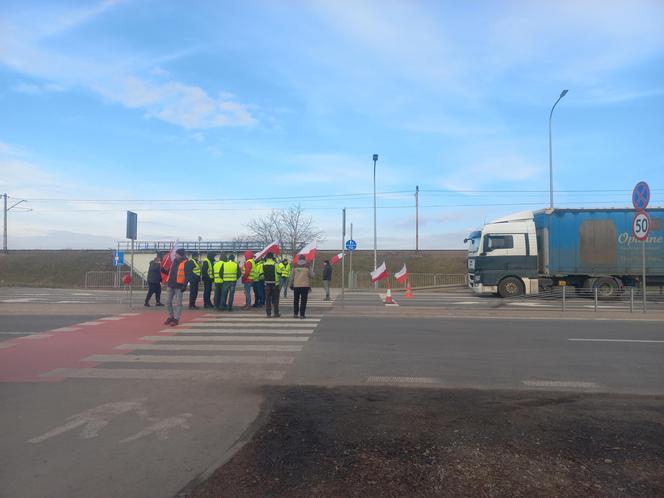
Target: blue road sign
[[641, 195], [351, 245], [118, 259]]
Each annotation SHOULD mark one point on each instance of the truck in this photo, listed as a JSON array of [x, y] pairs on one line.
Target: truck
[[534, 251]]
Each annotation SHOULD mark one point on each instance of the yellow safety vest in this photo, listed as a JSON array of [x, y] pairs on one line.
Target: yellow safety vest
[[253, 274], [216, 269], [230, 271], [196, 270], [260, 270], [285, 270], [210, 270]]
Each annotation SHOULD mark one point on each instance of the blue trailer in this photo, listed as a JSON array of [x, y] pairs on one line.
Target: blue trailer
[[585, 248]]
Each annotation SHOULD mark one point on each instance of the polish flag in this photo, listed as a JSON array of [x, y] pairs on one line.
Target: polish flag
[[379, 273], [273, 248], [336, 258], [402, 275], [308, 251], [167, 261]]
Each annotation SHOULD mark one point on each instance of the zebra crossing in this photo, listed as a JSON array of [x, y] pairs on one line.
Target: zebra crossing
[[239, 349]]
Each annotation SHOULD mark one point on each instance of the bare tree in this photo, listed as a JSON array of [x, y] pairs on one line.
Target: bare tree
[[290, 226]]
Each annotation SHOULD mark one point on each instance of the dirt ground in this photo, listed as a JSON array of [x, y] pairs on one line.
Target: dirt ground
[[383, 441]]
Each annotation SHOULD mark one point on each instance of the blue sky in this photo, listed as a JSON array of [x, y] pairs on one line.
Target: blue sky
[[157, 102]]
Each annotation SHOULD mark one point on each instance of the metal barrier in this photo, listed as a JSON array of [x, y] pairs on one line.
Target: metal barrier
[[362, 280], [567, 298], [112, 280]]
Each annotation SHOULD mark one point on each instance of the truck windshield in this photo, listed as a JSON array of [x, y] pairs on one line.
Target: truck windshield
[[474, 242]]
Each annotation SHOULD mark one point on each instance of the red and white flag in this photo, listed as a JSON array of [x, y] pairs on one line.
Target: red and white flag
[[308, 251], [379, 273], [402, 275], [167, 261], [336, 258], [273, 248]]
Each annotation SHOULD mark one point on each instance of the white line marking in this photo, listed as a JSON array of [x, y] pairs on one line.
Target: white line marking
[[560, 383], [17, 333], [95, 419], [130, 358], [165, 374], [161, 428], [263, 319], [5, 345], [241, 325], [66, 329], [374, 379], [73, 302], [240, 331], [91, 323], [219, 316], [208, 347], [129, 314], [221, 338], [112, 318], [615, 340], [35, 336]]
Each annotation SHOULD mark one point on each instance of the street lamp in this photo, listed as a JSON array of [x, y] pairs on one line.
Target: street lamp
[[562, 94], [375, 159]]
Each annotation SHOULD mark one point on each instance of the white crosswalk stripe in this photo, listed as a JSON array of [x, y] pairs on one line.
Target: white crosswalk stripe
[[235, 348]]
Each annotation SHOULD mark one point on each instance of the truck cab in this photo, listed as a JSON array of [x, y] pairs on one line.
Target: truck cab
[[502, 257]]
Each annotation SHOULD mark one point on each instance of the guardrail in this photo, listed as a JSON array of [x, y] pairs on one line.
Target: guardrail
[[112, 280], [567, 298], [362, 280]]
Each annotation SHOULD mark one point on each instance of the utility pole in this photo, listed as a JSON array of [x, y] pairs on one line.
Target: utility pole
[[417, 218], [343, 250], [350, 261], [562, 94], [375, 159], [4, 232], [6, 211]]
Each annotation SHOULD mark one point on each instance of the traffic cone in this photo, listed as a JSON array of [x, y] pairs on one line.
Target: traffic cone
[[409, 291], [388, 298]]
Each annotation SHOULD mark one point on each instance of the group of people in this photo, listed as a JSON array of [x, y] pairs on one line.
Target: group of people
[[266, 278]]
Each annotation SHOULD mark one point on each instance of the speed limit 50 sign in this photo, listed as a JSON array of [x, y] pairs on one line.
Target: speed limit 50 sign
[[641, 225]]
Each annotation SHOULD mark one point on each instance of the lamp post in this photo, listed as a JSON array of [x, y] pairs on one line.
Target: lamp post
[[562, 94], [375, 159]]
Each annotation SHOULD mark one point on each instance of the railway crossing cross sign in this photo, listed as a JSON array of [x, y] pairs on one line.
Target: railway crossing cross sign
[[641, 196]]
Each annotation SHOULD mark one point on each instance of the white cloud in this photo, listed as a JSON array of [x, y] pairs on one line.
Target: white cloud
[[116, 77]]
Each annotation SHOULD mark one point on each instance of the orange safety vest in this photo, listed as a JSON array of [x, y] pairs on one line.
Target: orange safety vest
[[180, 277]]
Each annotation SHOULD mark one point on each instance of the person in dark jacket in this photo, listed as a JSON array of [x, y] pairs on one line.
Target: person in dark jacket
[[193, 273], [327, 278], [154, 281], [207, 275]]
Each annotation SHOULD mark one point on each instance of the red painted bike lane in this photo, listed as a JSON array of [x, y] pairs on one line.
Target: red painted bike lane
[[24, 360]]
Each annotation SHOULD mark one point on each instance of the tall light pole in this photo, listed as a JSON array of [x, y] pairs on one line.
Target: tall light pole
[[562, 94], [375, 159], [4, 224]]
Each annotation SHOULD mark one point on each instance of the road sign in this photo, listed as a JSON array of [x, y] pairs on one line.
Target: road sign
[[132, 225], [641, 195], [351, 245], [641, 225], [118, 259]]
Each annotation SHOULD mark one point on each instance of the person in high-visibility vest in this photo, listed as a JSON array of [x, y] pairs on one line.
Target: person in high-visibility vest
[[207, 275], [261, 283], [272, 275], [285, 269], [218, 280], [255, 282], [246, 278], [230, 273], [193, 270], [177, 281]]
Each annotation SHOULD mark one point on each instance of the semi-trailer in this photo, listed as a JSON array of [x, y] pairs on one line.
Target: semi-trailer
[[527, 252]]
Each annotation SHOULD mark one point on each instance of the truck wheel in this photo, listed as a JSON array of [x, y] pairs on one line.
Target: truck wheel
[[510, 287], [607, 288]]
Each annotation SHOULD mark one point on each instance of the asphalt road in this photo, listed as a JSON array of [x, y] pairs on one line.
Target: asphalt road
[[119, 405]]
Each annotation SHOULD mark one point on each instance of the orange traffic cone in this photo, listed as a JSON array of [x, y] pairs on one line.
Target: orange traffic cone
[[409, 291], [388, 298]]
